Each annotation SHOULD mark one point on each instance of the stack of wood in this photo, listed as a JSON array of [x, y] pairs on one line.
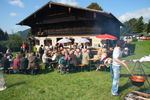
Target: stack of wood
[[136, 95]]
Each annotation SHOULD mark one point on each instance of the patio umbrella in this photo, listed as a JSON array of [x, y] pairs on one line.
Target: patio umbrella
[[64, 40], [106, 37], [81, 40]]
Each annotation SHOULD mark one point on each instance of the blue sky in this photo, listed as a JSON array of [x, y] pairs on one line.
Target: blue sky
[[13, 11]]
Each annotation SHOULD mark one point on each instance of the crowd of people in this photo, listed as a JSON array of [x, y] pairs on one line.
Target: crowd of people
[[60, 58], [66, 60]]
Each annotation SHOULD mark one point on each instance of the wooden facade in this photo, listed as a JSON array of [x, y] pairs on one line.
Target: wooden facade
[[59, 20]]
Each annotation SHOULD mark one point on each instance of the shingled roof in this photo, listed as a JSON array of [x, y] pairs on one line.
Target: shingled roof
[[49, 4]]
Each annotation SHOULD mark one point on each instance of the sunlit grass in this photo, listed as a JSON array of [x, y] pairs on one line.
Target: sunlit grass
[[76, 86]]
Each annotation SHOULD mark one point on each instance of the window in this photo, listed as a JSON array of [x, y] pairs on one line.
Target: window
[[37, 42], [47, 42]]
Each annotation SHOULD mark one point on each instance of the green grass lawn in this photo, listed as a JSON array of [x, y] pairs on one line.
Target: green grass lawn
[[77, 86]]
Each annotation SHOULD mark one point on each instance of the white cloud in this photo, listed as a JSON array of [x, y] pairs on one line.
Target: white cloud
[[17, 3], [13, 14], [69, 2], [145, 12]]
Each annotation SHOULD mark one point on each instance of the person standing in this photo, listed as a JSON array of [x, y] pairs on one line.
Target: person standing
[[73, 61], [116, 66], [8, 51], [41, 51], [85, 59], [2, 81]]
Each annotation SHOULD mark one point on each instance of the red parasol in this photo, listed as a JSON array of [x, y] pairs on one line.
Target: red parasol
[[106, 36]]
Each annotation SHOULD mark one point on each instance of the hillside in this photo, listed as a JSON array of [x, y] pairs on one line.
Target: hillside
[[23, 33]]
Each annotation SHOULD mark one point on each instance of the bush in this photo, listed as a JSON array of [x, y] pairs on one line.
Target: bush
[[15, 41], [134, 39]]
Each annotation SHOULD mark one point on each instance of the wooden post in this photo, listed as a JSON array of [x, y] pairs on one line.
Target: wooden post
[[69, 10], [49, 5], [94, 15]]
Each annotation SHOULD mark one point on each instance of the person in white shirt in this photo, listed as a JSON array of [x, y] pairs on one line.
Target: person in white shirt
[[116, 66], [45, 59]]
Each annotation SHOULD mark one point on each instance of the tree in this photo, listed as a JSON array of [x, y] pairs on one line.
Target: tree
[[94, 6], [15, 41], [145, 27], [132, 22], [129, 26], [139, 27], [29, 33], [6, 36], [148, 27], [1, 34]]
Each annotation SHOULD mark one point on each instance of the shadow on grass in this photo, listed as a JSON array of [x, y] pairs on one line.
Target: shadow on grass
[[16, 84], [45, 71], [131, 48], [125, 86]]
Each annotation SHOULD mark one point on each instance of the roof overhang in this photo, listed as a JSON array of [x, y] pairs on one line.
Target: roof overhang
[[50, 4]]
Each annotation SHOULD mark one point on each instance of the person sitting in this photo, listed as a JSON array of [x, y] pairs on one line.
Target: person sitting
[[16, 64], [8, 51], [63, 64], [126, 51], [5, 63], [45, 59], [23, 64], [110, 51], [54, 60], [102, 58], [78, 55], [32, 63]]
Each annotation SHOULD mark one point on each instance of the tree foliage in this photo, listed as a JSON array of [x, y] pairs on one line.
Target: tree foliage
[[3, 35], [129, 26], [14, 42], [29, 33], [148, 27], [94, 6], [139, 26], [135, 26]]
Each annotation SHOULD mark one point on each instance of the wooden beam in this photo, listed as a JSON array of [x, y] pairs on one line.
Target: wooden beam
[[49, 5], [69, 9], [56, 14], [94, 15]]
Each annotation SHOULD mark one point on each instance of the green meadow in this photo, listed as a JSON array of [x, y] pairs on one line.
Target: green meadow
[[76, 86]]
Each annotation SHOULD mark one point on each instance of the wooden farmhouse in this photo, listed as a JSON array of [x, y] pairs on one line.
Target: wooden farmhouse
[[55, 21]]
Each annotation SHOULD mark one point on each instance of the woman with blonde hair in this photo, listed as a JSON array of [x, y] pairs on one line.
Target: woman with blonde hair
[[102, 57]]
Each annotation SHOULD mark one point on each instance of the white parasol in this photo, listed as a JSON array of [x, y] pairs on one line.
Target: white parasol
[[81, 40], [64, 40]]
